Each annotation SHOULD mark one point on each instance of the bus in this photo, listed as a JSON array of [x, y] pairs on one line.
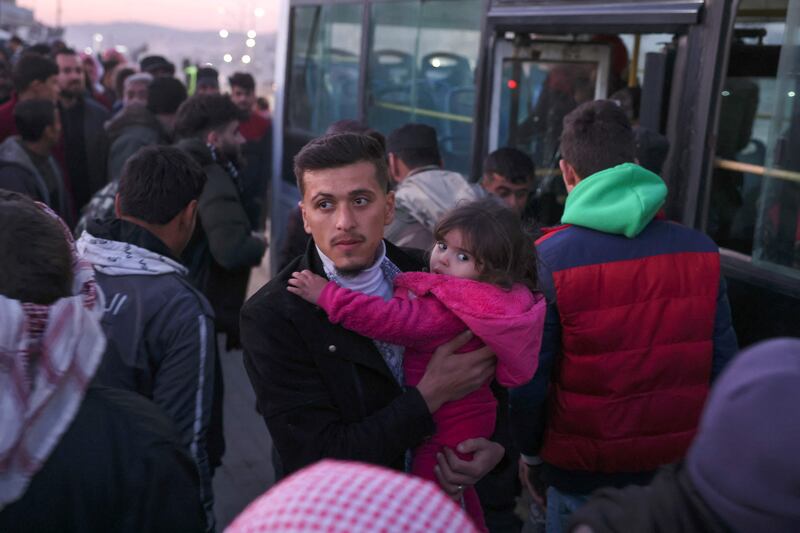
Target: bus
[[717, 81]]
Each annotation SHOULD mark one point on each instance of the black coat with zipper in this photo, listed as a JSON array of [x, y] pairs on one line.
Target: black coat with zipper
[[325, 391]]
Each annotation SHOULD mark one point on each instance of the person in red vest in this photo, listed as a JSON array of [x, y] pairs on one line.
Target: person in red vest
[[257, 149], [638, 325], [35, 77]]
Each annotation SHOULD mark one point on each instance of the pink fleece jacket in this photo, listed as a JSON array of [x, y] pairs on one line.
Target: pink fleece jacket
[[428, 310]]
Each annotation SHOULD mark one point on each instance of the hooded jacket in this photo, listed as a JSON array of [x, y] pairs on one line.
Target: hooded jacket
[[427, 311], [223, 249], [638, 324], [160, 331], [19, 174], [420, 201]]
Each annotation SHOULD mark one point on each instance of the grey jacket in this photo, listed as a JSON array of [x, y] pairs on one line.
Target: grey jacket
[[421, 199], [160, 332], [134, 128], [26, 178]]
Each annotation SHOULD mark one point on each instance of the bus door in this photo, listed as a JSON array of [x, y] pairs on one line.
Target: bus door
[[535, 84]]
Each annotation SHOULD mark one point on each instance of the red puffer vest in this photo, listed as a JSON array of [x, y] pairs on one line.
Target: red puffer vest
[[637, 323]]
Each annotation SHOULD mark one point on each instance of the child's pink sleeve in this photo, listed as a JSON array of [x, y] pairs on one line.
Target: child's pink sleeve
[[398, 321]]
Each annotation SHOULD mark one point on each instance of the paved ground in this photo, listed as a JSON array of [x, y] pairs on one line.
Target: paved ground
[[246, 470]]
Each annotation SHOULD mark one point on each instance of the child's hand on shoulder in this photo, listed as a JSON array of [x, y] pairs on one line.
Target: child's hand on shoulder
[[307, 285]]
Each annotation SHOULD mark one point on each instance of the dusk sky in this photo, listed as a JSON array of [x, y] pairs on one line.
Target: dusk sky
[[235, 15]]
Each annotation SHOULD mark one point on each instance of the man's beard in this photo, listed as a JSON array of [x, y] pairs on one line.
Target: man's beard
[[351, 272]]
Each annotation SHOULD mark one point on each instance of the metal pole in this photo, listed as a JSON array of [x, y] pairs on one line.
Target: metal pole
[[634, 66]]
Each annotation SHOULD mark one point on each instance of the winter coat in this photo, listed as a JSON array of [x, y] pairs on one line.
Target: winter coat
[[420, 201], [96, 147], [223, 249], [160, 331], [638, 323], [325, 391], [119, 467], [19, 174], [134, 128]]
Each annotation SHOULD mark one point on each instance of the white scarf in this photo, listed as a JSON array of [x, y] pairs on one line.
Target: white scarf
[[40, 397], [115, 258]]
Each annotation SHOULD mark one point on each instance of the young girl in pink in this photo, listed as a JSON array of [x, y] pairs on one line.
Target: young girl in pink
[[482, 278]]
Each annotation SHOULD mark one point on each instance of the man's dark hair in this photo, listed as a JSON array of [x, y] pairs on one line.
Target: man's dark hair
[[32, 117], [504, 252], [415, 144], [15, 39], [208, 76], [349, 125], [64, 52], [340, 150], [32, 67], [597, 135], [514, 165], [243, 80], [158, 182], [206, 112], [165, 96], [37, 260], [42, 49]]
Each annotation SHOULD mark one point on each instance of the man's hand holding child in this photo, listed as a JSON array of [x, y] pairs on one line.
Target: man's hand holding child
[[307, 285]]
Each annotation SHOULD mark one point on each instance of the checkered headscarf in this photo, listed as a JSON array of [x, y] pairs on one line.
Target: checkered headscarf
[[48, 355], [346, 497]]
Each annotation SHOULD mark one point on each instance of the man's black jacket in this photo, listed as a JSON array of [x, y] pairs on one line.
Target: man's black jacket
[[325, 391]]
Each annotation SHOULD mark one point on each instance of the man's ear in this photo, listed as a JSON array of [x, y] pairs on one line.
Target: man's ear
[[394, 169], [117, 209], [302, 207], [189, 214], [569, 175], [388, 214]]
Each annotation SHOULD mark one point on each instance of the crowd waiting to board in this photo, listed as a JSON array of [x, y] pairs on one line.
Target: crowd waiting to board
[[426, 352]]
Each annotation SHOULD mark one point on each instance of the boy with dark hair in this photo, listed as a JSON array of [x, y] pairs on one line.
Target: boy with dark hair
[[103, 459], [257, 149], [425, 190], [159, 327], [638, 324], [35, 77], [509, 174], [224, 248], [26, 161]]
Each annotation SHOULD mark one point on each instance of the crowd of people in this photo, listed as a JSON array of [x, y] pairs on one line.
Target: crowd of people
[[419, 324]]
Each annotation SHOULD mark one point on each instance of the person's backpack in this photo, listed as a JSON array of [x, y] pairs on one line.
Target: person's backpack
[[101, 207]]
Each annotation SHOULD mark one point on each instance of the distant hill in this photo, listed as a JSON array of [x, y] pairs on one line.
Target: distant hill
[[177, 45]]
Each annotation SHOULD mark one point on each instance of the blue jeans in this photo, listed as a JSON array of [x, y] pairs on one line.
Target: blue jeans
[[560, 506]]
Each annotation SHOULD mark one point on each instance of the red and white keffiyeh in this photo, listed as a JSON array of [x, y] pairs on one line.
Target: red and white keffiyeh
[[345, 497], [48, 354]]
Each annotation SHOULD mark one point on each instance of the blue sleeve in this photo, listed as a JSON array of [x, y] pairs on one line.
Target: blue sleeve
[[725, 343], [527, 403]]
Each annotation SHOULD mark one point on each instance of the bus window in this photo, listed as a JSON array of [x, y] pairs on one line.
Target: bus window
[[423, 56], [754, 202], [324, 71]]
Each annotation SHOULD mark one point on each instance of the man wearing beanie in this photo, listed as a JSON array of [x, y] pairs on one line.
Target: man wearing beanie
[[742, 472], [425, 190]]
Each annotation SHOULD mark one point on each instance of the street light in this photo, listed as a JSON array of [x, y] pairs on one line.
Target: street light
[[245, 59], [250, 43], [251, 34], [227, 58], [259, 12], [223, 33], [98, 37]]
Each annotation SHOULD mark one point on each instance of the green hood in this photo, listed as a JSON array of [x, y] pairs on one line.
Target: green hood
[[621, 200]]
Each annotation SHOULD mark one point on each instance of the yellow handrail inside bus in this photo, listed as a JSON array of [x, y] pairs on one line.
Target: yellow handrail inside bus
[[758, 170]]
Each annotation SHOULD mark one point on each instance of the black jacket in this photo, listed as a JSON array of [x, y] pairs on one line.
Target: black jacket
[[325, 391], [161, 341], [119, 467], [222, 250]]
